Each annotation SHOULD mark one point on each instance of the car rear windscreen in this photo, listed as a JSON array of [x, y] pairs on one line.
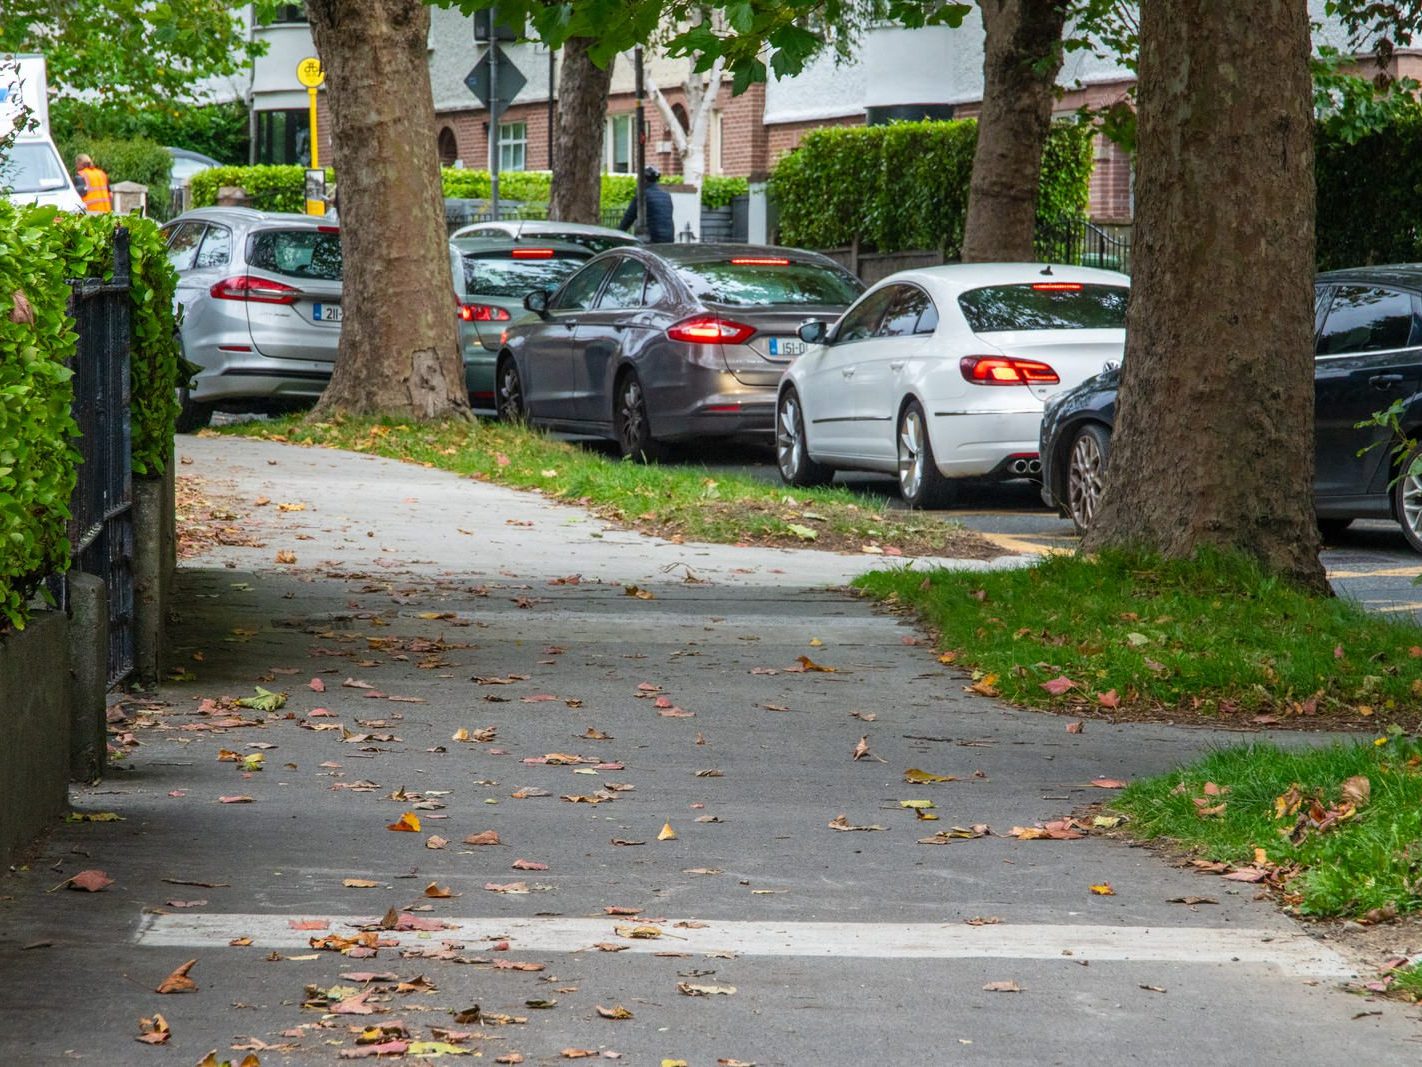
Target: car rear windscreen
[[499, 274], [1045, 306], [297, 253], [783, 282]]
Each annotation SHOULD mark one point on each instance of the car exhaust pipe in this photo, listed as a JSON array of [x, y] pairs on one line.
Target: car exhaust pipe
[[1034, 466], [1018, 466]]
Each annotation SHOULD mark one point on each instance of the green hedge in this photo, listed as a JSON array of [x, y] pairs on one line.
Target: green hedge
[[1370, 195], [39, 249], [216, 130], [37, 460], [131, 160], [905, 185]]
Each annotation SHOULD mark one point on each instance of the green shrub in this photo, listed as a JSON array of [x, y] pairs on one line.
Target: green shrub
[[719, 192], [1368, 205], [131, 160], [905, 185], [216, 130], [270, 188], [37, 461]]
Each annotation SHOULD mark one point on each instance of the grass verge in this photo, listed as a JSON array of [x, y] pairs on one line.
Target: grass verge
[[1336, 830], [673, 501], [1130, 636]]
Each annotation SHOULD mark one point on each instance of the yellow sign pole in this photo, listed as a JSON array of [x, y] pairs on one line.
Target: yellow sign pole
[[311, 74]]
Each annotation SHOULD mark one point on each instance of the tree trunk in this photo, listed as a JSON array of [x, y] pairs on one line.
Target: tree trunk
[[1022, 52], [399, 348], [576, 193], [1214, 436]]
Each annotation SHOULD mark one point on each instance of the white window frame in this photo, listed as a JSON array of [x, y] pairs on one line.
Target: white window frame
[[513, 146], [609, 141]]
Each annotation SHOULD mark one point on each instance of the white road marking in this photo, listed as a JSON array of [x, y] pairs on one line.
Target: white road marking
[[1289, 952]]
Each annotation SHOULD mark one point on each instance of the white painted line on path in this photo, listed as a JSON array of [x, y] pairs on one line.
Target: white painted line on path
[[1289, 952]]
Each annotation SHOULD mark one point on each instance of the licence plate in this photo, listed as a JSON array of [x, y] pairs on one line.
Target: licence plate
[[326, 313], [784, 346]]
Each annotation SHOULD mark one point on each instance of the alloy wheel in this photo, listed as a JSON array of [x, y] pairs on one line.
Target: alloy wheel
[[510, 392], [1086, 479], [632, 421], [790, 437], [911, 458], [1410, 504]]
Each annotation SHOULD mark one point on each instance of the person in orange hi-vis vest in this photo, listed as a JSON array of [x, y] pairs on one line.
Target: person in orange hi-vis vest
[[93, 186]]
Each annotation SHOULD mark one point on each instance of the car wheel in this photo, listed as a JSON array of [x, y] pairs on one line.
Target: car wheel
[[920, 482], [1086, 474], [1407, 499], [508, 395], [792, 450], [1330, 529], [192, 416], [629, 419]]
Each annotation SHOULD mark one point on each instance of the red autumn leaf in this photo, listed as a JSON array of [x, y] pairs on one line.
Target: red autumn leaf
[[1059, 685], [366, 1052], [234, 800], [1109, 783], [615, 910], [529, 865], [1109, 699], [316, 685], [1247, 874], [483, 837], [1075, 727], [89, 881], [308, 924], [355, 1005], [516, 965], [178, 981]]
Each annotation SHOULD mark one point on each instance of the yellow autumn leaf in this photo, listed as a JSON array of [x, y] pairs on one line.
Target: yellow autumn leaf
[[667, 833], [1103, 890], [409, 822], [359, 883], [914, 776], [917, 804]]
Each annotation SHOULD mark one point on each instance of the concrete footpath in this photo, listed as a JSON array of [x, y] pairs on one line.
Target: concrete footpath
[[642, 729]]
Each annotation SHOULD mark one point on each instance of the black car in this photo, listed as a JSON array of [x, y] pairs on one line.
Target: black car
[[1367, 354]]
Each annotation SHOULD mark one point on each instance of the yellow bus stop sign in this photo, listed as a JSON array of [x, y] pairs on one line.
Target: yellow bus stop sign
[[310, 73]]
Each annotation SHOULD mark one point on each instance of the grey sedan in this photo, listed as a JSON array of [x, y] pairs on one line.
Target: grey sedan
[[656, 344]]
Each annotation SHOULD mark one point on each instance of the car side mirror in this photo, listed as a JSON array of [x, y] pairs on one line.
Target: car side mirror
[[813, 332], [537, 302]]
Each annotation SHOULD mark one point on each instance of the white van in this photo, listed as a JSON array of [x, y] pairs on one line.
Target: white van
[[31, 171]]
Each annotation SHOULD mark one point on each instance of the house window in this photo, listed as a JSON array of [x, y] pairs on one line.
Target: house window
[[513, 145], [284, 136], [448, 147], [290, 13], [617, 144]]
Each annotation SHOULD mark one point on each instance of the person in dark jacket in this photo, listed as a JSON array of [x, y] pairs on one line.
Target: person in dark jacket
[[661, 229]]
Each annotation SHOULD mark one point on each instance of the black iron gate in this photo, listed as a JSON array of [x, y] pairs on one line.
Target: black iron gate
[[101, 519]]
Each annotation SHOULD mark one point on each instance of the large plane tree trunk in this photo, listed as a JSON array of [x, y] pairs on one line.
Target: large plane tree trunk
[[1214, 434], [576, 193], [1022, 53], [399, 349]]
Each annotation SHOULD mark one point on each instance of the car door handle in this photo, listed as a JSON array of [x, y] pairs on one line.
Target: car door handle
[[897, 365], [1384, 382]]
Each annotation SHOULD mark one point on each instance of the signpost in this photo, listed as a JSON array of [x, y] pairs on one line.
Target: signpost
[[494, 81], [311, 74]]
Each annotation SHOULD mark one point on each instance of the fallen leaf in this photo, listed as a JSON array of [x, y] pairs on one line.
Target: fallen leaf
[[841, 822], [914, 776], [1103, 890], [691, 989], [435, 891], [235, 800], [435, 841], [483, 837], [615, 910], [1076, 727], [1059, 685], [528, 865], [983, 920], [1108, 699], [1108, 783], [178, 981], [355, 1005], [316, 685], [409, 823], [1357, 791], [89, 882], [1002, 987], [1153, 988], [516, 965], [507, 887], [638, 933], [264, 700], [617, 1011], [638, 592], [666, 833], [1247, 874], [509, 1057], [153, 1031], [359, 883], [578, 1053], [861, 750], [807, 664], [1192, 901]]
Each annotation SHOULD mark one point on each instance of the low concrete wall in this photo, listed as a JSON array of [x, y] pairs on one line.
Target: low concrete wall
[[34, 758]]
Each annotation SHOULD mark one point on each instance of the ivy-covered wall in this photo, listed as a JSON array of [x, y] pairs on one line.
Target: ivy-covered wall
[[905, 185], [39, 249]]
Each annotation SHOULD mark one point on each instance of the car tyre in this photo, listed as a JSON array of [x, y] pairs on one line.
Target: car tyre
[[192, 415], [631, 423], [1087, 464], [1407, 499], [508, 392], [792, 448], [921, 484]]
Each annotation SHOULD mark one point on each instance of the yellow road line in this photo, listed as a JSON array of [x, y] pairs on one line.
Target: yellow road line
[[1383, 572], [1021, 545]]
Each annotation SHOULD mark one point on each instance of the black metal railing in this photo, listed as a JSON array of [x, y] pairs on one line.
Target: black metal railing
[[1083, 243], [101, 518]]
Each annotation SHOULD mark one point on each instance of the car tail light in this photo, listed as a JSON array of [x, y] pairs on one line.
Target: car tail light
[[532, 253], [711, 330], [1004, 370], [482, 313], [1057, 287], [760, 261], [257, 290], [328, 229]]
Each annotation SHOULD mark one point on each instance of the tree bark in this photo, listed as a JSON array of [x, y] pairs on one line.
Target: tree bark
[[399, 349], [1214, 434], [576, 192], [1022, 53]]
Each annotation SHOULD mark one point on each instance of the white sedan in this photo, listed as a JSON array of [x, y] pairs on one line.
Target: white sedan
[[942, 373]]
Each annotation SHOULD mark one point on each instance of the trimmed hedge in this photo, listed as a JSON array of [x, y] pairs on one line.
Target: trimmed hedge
[[905, 185], [39, 249], [216, 130], [127, 160], [1369, 209]]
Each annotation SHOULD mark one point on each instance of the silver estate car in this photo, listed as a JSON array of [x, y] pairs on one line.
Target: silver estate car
[[659, 343], [260, 294]]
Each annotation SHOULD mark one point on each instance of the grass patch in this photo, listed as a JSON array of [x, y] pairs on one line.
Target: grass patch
[[1365, 862], [1136, 636], [671, 500]]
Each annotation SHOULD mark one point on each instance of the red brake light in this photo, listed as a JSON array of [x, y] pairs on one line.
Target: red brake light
[[760, 261], [257, 290], [711, 330], [1003, 370], [482, 313], [328, 229], [1057, 287], [532, 253]]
